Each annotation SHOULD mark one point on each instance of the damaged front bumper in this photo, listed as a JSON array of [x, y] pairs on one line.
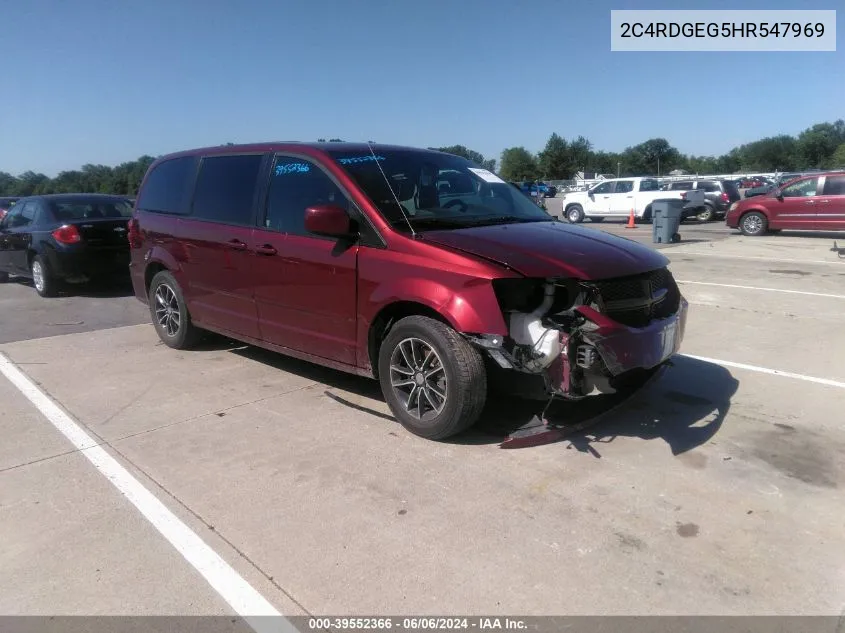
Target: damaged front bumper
[[592, 354]]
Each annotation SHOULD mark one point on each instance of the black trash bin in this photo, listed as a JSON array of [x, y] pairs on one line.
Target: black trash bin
[[666, 223]]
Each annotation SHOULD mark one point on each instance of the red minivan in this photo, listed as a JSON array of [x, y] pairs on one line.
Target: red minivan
[[810, 203], [414, 267]]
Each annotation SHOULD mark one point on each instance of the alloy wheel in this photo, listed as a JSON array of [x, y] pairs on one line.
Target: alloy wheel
[[418, 378], [752, 224], [38, 276], [167, 310]]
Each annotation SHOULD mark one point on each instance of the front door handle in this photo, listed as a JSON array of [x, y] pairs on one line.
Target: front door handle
[[266, 249], [825, 201], [237, 244], [809, 202]]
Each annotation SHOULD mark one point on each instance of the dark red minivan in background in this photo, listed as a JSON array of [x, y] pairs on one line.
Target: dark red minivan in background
[[811, 203], [415, 267]]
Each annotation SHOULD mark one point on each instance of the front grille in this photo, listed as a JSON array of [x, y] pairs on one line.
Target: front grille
[[637, 300]]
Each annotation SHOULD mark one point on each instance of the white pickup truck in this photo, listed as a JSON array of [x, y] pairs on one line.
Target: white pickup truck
[[615, 197]]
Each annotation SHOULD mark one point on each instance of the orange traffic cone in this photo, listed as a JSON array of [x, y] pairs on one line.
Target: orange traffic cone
[[631, 223]]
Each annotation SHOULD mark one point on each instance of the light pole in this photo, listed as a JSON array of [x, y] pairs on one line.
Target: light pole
[[617, 169]]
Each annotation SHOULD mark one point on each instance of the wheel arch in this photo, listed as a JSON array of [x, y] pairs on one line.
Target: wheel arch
[[159, 260], [389, 315]]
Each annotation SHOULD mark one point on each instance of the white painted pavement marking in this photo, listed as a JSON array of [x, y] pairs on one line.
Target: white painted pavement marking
[[830, 262], [237, 592], [791, 292], [764, 370]]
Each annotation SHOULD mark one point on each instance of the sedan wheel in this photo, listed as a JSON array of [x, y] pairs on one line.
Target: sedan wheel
[[43, 281]]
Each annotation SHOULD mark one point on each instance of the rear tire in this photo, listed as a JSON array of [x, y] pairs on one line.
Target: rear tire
[[4, 277], [46, 285], [169, 312], [575, 214], [753, 224], [707, 214], [433, 380]]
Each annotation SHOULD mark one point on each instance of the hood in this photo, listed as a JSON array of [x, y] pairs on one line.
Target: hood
[[551, 249]]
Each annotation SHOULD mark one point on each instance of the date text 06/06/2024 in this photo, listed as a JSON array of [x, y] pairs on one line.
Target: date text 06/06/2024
[[416, 624]]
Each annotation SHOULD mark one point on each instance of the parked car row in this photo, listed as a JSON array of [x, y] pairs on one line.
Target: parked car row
[[618, 198]]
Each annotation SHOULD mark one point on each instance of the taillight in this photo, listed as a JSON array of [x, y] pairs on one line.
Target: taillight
[[725, 197], [134, 234], [67, 234], [683, 195]]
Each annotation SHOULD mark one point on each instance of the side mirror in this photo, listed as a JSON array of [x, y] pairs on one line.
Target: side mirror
[[777, 193], [329, 220]]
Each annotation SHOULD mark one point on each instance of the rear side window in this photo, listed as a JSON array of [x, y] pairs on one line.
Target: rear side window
[[708, 185], [681, 185], [834, 186], [167, 188], [226, 188], [649, 184], [67, 211], [624, 186]]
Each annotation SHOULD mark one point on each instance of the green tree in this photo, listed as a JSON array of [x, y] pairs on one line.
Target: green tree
[[817, 144], [654, 156], [581, 151], [837, 161], [469, 154], [555, 161], [518, 164]]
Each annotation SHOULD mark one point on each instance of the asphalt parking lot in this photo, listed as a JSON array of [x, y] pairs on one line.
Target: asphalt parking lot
[[716, 490]]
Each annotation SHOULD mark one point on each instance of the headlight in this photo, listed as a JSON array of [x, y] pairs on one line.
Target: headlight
[[733, 206]]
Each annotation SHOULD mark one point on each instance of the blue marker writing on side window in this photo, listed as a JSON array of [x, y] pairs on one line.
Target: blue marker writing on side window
[[292, 168]]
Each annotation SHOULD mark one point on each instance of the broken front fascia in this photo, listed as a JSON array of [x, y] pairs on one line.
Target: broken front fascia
[[578, 351]]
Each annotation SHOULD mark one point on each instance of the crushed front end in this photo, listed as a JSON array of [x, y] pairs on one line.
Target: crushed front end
[[585, 337]]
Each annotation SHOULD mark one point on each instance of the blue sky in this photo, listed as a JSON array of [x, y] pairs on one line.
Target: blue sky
[[99, 81]]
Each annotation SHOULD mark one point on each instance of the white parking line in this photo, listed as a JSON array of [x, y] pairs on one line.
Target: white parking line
[[791, 292], [237, 592], [829, 262], [764, 370]]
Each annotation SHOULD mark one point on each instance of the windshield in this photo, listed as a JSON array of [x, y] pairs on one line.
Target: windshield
[[436, 191], [84, 210]]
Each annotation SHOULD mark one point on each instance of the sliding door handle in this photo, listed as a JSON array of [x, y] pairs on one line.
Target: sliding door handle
[[237, 244], [265, 249]]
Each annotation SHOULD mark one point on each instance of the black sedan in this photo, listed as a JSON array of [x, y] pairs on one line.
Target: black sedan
[[65, 238]]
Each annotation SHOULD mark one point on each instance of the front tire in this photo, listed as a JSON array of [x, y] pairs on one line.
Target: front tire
[[753, 224], [46, 285], [575, 214], [433, 380], [169, 312]]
